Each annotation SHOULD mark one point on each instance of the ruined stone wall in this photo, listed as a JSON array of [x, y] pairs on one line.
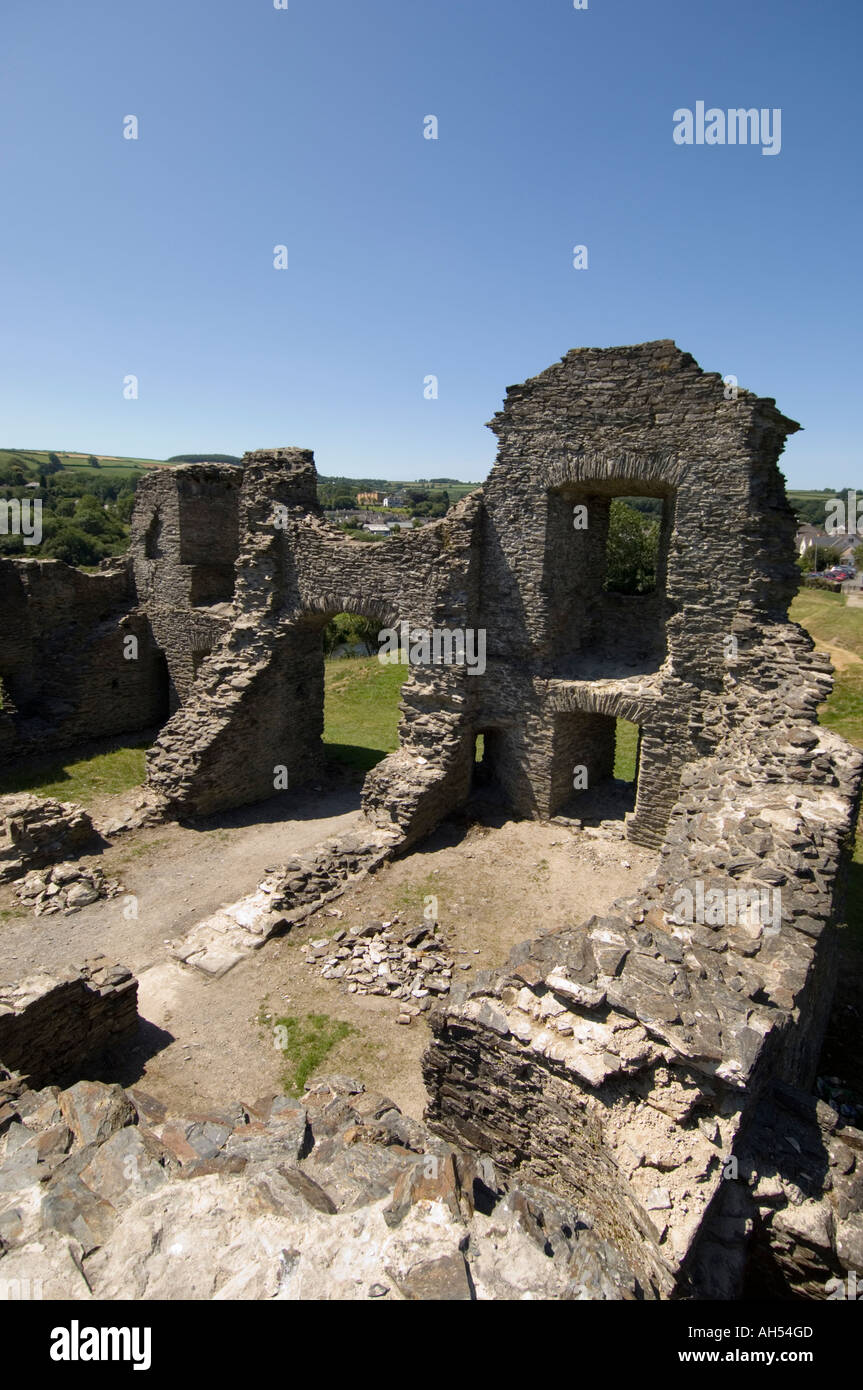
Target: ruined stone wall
[[620, 1058], [257, 704], [623, 1059], [68, 673], [182, 550], [616, 422], [65, 675], [232, 573], [52, 1025]]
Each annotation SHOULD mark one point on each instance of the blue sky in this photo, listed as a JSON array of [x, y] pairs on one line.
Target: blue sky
[[408, 256]]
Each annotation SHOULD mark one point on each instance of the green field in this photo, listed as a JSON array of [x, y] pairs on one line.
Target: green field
[[83, 779], [361, 710], [833, 624], [34, 461], [827, 617], [625, 750]]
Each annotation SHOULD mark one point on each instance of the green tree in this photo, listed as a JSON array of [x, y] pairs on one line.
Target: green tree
[[818, 557], [72, 546], [350, 629], [631, 551]]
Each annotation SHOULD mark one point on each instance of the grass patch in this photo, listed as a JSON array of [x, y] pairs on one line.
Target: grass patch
[[361, 710], [304, 1043], [829, 620], [411, 896], [83, 779], [625, 750]]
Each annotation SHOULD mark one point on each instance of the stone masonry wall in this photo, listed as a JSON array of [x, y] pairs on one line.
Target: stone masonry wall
[[51, 1025], [63, 669], [622, 1059], [619, 1058]]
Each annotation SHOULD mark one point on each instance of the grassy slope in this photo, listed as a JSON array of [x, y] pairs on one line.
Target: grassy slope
[[361, 713], [82, 779], [35, 459], [837, 629]]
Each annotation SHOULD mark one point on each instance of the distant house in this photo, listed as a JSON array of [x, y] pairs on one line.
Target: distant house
[[807, 536], [368, 499], [377, 528], [844, 543]]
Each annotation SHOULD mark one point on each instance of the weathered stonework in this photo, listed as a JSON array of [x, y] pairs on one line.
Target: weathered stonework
[[336, 1195], [622, 1060], [232, 574], [51, 1025], [64, 674], [35, 831]]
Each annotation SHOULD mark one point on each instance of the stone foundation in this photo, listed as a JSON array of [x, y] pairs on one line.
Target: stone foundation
[[52, 1025]]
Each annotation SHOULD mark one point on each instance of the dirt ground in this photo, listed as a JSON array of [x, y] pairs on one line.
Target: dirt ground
[[202, 1042]]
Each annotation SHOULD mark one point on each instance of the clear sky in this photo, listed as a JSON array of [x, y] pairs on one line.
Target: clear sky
[[406, 256]]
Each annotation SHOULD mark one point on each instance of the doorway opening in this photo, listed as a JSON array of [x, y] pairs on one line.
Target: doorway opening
[[595, 767]]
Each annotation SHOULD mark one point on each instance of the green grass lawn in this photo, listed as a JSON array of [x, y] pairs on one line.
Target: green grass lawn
[[304, 1043], [625, 750], [361, 710], [83, 779], [827, 618]]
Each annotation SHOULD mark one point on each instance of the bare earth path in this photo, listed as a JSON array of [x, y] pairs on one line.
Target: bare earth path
[[202, 1042]]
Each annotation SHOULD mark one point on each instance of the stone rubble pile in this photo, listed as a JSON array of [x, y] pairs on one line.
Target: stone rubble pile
[[794, 1211], [285, 897], [338, 1195], [36, 831], [308, 880], [66, 888], [409, 964]]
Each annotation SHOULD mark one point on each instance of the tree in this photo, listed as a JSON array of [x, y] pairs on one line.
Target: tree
[[350, 629], [818, 557], [53, 465], [631, 551], [72, 547], [94, 462]]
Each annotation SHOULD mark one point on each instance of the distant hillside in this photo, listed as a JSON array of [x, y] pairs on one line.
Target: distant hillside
[[36, 461], [809, 505]]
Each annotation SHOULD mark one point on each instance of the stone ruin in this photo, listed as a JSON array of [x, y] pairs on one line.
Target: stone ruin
[[623, 1061]]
